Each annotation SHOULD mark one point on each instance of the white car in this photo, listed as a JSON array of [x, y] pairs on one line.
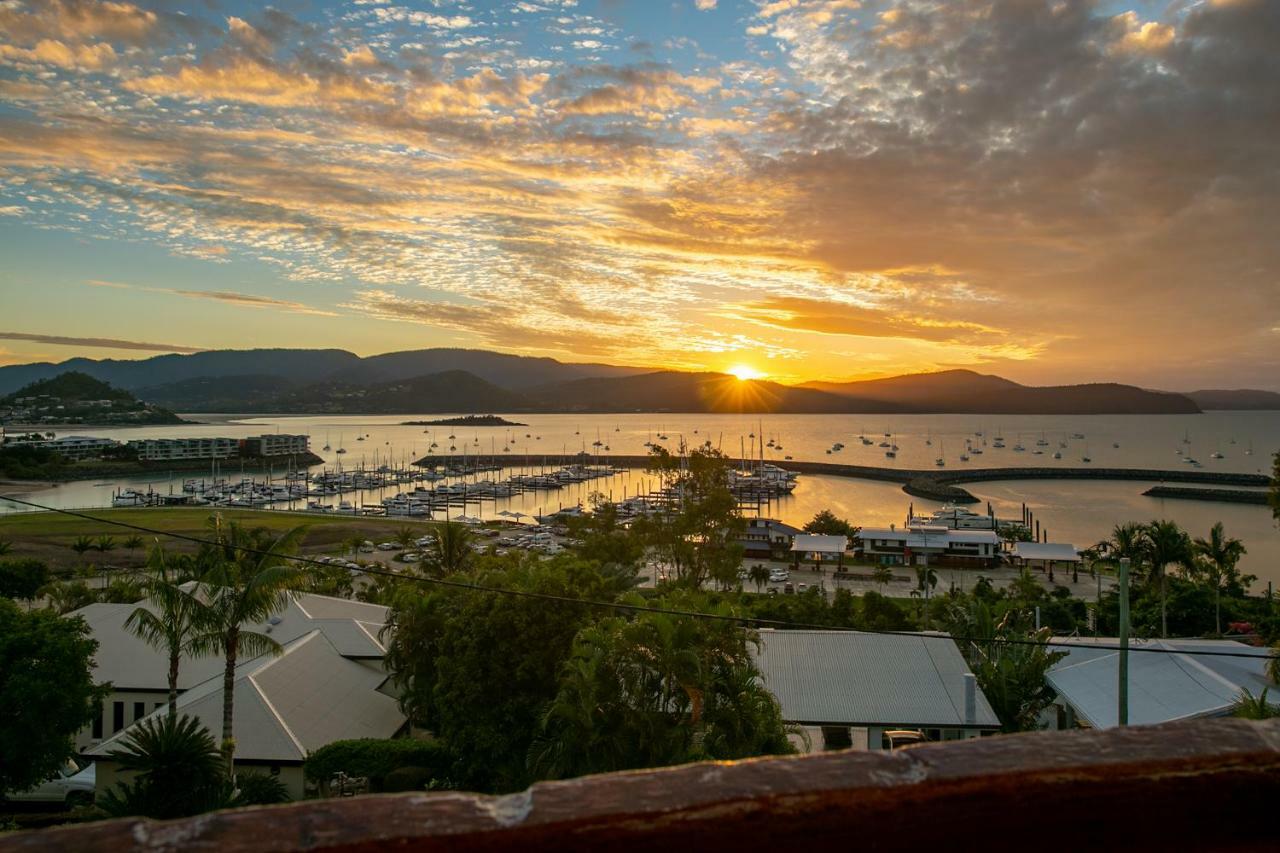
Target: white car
[[388, 546], [71, 787]]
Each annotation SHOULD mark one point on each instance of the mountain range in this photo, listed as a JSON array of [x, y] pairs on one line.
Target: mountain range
[[460, 380]]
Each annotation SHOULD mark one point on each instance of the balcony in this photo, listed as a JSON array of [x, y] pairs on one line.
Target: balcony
[[1204, 785]]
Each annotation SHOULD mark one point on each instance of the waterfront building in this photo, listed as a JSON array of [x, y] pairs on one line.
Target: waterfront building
[[936, 545], [765, 537], [166, 449], [80, 446], [277, 444], [847, 689]]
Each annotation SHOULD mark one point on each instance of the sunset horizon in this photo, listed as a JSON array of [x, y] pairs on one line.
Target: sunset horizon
[[816, 189]]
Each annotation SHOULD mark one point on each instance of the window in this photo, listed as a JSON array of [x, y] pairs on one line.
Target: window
[[139, 710], [97, 721], [117, 716]]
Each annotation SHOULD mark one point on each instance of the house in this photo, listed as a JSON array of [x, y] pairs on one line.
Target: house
[[847, 688], [1171, 682], [765, 537], [329, 684], [935, 544]]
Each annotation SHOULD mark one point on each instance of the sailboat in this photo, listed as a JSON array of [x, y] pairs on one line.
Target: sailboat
[[340, 449], [326, 447], [940, 461]]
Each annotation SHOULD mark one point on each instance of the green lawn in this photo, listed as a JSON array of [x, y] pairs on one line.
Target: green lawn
[[48, 536]]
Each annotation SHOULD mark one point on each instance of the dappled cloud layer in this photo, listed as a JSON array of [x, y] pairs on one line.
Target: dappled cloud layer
[[820, 188]]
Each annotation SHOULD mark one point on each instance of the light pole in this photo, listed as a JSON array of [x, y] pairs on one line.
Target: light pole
[[1122, 688]]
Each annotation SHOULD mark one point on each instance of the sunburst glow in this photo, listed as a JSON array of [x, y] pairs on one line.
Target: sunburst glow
[[744, 372]]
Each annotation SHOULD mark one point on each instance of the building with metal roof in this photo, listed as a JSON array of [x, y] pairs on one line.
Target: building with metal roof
[[935, 544], [847, 688], [286, 706], [1173, 683], [342, 659], [1044, 553]]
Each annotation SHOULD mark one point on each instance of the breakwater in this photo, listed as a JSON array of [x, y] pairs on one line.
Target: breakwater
[[1230, 496], [931, 484]]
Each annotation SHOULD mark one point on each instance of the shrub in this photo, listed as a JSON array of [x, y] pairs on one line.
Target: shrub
[[22, 578], [407, 779], [373, 759], [260, 789]]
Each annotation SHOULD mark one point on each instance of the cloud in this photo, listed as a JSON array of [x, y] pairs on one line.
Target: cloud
[[103, 343]]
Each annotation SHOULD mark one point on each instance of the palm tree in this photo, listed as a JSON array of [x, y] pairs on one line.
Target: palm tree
[[1252, 707], [178, 771], [104, 544], [133, 543], [353, 544], [882, 575], [175, 623], [1220, 554], [759, 576], [1128, 540], [405, 537], [248, 581], [82, 546], [926, 580], [1167, 543], [452, 547]]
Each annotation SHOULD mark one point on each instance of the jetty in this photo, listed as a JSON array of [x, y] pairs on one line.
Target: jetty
[[930, 484]]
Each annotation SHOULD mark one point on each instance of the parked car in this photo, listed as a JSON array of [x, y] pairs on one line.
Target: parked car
[[388, 546], [788, 589], [367, 547], [70, 787]]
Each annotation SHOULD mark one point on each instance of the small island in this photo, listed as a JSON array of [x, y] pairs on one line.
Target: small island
[[466, 421]]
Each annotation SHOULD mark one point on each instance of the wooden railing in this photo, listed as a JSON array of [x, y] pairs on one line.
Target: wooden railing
[[1205, 785]]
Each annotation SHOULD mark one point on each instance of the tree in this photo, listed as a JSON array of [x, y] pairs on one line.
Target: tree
[[22, 579], [132, 544], [177, 771], [827, 523], [247, 581], [926, 580], [104, 544], [1273, 495], [5, 547], [81, 546], [405, 537], [655, 690], [65, 596], [478, 667], [1219, 554], [1166, 543], [882, 575], [451, 552], [1250, 707], [46, 691], [1009, 662], [759, 575], [173, 622], [1128, 540]]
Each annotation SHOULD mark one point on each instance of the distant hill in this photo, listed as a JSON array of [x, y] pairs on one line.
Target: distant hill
[[308, 367], [671, 391], [236, 393], [1240, 399], [74, 397], [966, 391]]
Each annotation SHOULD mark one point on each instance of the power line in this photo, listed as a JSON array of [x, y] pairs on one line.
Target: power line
[[612, 605]]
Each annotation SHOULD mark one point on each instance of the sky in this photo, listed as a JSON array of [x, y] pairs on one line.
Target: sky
[[1053, 191]]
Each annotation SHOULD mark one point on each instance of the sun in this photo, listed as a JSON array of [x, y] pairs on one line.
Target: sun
[[744, 372]]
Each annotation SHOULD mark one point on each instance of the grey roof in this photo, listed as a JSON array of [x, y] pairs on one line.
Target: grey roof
[[292, 704], [1056, 551], [1175, 685], [129, 663], [851, 678], [819, 543], [925, 536]]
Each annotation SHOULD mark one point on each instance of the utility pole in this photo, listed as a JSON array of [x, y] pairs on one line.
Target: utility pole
[[1122, 689]]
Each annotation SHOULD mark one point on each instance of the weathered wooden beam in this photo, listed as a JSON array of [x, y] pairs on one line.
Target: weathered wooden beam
[[1204, 785]]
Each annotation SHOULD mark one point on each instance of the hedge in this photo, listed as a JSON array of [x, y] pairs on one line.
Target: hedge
[[374, 758]]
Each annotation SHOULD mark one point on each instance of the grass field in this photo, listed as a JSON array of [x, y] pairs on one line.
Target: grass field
[[48, 536]]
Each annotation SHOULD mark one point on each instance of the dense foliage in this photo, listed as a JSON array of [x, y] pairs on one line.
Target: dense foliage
[[46, 691], [171, 768], [22, 579], [374, 759]]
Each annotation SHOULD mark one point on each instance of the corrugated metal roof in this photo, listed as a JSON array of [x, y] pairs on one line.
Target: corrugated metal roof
[[1061, 551], [129, 663], [813, 542], [851, 678], [289, 705], [919, 538], [1162, 687]]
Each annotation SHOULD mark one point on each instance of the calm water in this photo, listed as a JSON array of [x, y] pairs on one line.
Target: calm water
[[1081, 512]]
